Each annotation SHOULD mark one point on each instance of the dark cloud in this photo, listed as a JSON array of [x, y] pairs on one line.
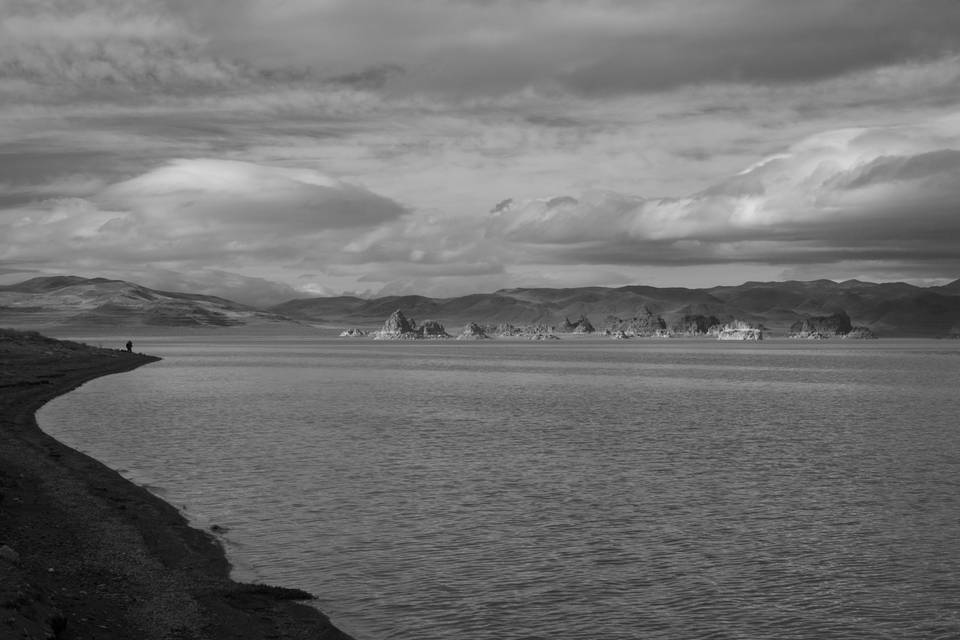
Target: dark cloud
[[135, 50], [771, 41], [562, 201], [377, 272], [694, 153], [503, 205], [96, 47], [370, 78], [593, 46], [23, 164], [554, 121]]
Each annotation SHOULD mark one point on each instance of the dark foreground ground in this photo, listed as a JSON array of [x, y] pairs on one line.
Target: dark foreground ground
[[86, 554]]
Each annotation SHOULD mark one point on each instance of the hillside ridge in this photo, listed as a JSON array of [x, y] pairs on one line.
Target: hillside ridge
[[889, 309]]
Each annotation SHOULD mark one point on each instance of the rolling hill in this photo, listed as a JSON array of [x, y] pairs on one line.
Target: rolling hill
[[889, 309], [65, 301]]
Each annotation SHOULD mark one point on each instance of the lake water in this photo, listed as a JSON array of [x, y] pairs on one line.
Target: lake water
[[577, 489]]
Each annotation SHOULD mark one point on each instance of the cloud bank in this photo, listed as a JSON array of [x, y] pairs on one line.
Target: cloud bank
[[360, 146], [869, 195], [197, 217], [591, 46], [849, 199]]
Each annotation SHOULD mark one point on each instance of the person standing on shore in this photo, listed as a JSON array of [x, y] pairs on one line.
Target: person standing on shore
[[129, 346]]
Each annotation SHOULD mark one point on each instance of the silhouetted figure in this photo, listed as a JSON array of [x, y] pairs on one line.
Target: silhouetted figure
[[129, 346]]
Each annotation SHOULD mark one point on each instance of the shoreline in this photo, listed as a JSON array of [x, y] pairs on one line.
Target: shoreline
[[85, 553]]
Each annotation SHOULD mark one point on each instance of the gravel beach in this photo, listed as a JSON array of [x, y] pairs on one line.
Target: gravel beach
[[86, 554]]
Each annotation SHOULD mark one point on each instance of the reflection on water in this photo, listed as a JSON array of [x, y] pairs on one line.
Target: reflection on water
[[581, 489]]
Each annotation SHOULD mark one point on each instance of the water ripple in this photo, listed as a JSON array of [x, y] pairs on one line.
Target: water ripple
[[577, 490]]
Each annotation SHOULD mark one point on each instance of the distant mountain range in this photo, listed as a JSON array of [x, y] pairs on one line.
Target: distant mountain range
[[71, 301], [888, 309]]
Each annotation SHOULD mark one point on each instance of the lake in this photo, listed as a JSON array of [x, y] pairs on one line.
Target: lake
[[586, 488]]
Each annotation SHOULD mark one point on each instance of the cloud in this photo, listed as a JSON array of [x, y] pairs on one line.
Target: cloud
[[593, 46], [366, 141], [186, 194], [763, 41], [415, 137], [76, 185], [886, 169], [866, 200], [202, 215], [214, 282], [370, 78], [104, 45], [871, 195]]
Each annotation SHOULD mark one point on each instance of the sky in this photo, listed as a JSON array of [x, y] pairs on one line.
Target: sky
[[263, 150]]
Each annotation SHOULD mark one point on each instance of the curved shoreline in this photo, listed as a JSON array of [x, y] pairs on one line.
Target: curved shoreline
[[85, 553]]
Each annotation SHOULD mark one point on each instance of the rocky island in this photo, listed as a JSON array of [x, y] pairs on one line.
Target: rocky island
[[696, 324], [580, 325], [837, 324], [398, 327], [738, 330], [644, 324], [530, 332], [473, 331]]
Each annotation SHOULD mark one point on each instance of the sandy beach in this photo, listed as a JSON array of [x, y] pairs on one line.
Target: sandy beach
[[86, 554]]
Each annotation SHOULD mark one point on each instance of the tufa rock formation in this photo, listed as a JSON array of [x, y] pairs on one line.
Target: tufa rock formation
[[644, 324], [820, 327], [508, 330], [504, 330], [473, 331], [353, 333], [695, 325], [432, 329], [860, 333], [398, 327], [582, 325], [739, 330]]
